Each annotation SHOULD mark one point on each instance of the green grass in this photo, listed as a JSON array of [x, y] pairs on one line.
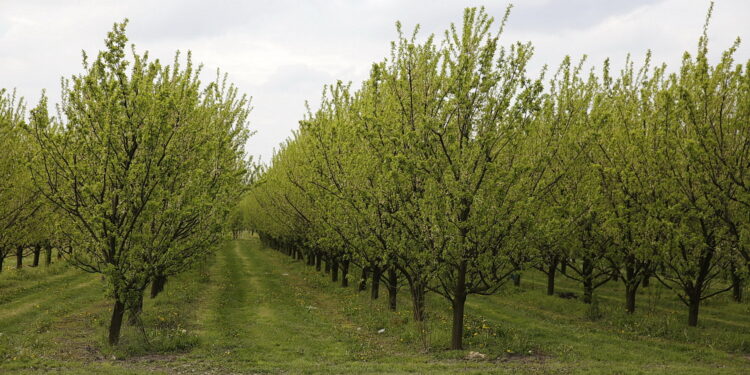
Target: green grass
[[252, 310]]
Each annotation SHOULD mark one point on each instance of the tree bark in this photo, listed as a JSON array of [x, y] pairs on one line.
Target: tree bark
[[37, 253], [310, 258], [392, 288], [459, 302], [375, 288], [116, 323], [334, 270], [736, 287], [630, 293], [328, 265], [19, 257], [551, 272], [345, 273], [363, 282], [135, 311], [157, 285], [47, 255], [317, 261], [417, 298], [551, 282], [694, 302], [588, 281], [516, 280]]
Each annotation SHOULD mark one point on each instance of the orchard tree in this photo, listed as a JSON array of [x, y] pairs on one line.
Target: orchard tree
[[128, 150], [696, 197], [18, 198], [205, 180], [554, 220], [475, 165], [622, 160]]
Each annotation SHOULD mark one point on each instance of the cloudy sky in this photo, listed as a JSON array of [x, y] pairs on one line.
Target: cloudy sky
[[281, 52]]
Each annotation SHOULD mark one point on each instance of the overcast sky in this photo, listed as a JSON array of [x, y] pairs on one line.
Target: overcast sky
[[282, 52]]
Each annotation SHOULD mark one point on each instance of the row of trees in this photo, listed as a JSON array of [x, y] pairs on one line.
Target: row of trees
[[454, 169], [28, 225], [133, 178]]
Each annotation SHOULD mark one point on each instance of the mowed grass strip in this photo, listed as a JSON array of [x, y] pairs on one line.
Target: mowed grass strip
[[264, 319], [250, 309], [567, 341]]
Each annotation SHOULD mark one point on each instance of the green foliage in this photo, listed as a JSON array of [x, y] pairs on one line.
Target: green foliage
[[144, 162], [455, 167], [18, 198]]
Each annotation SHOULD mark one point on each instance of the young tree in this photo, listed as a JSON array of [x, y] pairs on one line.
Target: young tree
[[622, 159], [474, 165], [18, 198], [553, 223], [695, 196], [126, 149]]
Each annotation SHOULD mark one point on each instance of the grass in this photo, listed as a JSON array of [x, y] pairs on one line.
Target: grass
[[252, 310]]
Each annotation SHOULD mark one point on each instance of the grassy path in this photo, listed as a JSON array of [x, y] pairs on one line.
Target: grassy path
[[272, 315], [252, 310], [257, 320]]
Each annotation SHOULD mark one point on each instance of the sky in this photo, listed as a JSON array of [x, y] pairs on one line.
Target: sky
[[282, 52]]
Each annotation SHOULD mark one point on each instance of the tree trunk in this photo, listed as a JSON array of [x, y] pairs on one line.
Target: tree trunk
[[37, 253], [135, 311], [588, 281], [345, 273], [317, 261], [157, 285], [564, 266], [551, 273], [392, 287], [19, 257], [516, 280], [630, 293], [328, 265], [459, 301], [736, 287], [47, 255], [588, 291], [2, 260], [551, 282], [646, 279], [693, 306], [116, 323], [334, 270], [310, 261], [375, 289], [363, 281], [417, 298]]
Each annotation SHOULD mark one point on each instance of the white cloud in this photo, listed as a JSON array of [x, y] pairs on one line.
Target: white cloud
[[282, 52]]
